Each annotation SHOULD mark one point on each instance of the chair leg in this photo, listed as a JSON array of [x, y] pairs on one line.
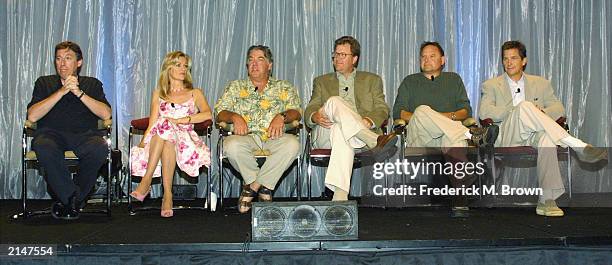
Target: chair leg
[[298, 184], [108, 182], [569, 172], [209, 202], [493, 172], [402, 156], [219, 155], [309, 176], [24, 190], [208, 189], [129, 174]]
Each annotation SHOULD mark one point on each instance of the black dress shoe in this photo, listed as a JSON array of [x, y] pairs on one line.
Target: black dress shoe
[[81, 205], [57, 209], [72, 209], [66, 212]]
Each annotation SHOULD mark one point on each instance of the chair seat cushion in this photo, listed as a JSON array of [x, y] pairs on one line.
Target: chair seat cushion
[[31, 155]]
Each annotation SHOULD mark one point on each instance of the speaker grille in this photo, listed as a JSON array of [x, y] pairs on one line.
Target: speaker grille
[[271, 221], [304, 221], [338, 220]]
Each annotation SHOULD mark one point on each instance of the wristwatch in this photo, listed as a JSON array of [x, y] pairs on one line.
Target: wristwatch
[[453, 116]]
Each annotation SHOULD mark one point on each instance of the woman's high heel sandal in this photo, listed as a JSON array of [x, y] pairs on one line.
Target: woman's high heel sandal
[[243, 205], [166, 213], [265, 194], [138, 196]]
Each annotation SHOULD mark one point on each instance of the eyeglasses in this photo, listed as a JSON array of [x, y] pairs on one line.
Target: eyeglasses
[[340, 55]]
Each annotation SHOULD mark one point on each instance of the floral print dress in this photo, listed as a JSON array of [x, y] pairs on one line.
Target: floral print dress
[[191, 152]]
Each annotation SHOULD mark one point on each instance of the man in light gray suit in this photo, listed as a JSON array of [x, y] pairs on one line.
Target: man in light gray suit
[[526, 109], [346, 111]]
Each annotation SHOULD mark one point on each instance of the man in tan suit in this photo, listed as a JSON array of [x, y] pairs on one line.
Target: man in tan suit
[[526, 109], [345, 109]]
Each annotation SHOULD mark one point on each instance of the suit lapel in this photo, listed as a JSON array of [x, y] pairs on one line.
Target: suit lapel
[[359, 88], [505, 88], [333, 86], [530, 90]]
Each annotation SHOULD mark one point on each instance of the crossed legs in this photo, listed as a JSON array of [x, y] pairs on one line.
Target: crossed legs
[[164, 150]]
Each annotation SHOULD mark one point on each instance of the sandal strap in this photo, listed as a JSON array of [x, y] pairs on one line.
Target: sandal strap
[[248, 192], [265, 194], [265, 191]]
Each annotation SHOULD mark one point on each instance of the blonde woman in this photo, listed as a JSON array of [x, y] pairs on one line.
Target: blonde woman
[[175, 106]]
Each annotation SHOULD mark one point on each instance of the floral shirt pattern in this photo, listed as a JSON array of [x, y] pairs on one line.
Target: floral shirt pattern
[[257, 109]]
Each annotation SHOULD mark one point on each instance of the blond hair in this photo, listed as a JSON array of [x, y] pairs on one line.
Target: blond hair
[[163, 83]]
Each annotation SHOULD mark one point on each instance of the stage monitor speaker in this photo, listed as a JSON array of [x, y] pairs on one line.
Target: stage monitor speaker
[[304, 221]]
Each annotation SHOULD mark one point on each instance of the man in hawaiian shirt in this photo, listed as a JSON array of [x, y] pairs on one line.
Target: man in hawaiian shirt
[[259, 107]]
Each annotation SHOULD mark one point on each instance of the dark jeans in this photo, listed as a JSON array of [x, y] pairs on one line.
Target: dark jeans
[[89, 147]]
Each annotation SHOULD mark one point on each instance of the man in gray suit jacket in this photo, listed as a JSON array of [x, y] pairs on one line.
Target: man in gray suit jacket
[[347, 107], [526, 109]]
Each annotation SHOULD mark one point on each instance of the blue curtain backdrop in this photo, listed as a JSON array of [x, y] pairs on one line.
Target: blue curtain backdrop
[[124, 43]]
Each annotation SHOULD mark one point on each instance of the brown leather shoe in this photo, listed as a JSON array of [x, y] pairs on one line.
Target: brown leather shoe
[[384, 142], [591, 154]]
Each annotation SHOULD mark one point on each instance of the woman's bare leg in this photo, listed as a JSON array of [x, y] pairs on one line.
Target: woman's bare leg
[[168, 158], [155, 150]]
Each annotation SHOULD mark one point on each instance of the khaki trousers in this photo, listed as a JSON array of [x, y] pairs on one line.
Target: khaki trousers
[[239, 151], [428, 128], [342, 141], [527, 125]]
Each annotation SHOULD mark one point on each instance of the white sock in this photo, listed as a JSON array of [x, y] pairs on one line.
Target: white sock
[[573, 142], [340, 195], [368, 137], [541, 199]]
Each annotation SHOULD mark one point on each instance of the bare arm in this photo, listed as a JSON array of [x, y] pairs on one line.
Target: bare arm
[[98, 108], [240, 126], [277, 125], [405, 115], [460, 114], [40, 109], [101, 110], [203, 107]]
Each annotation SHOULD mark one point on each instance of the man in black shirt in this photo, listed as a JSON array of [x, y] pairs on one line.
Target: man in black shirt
[[66, 108]]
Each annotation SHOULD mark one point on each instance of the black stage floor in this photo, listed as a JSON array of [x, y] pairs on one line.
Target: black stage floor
[[378, 228]]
